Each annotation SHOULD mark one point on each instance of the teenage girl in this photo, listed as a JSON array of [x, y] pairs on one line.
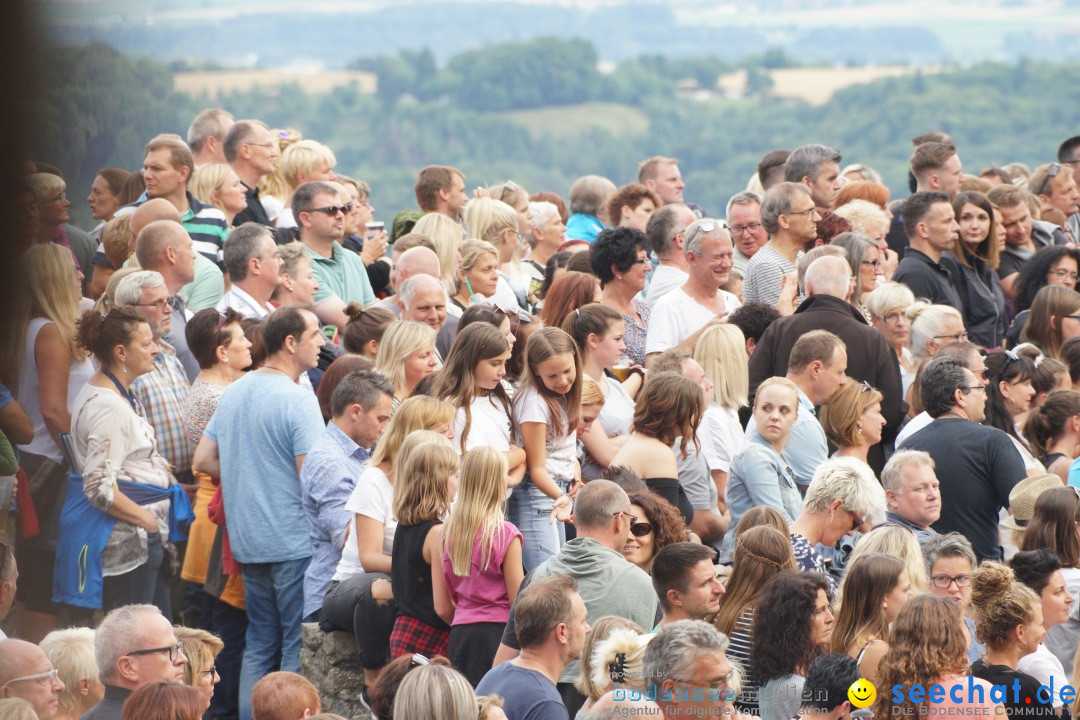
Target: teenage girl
[[472, 383], [545, 412], [481, 559], [426, 484], [598, 331]]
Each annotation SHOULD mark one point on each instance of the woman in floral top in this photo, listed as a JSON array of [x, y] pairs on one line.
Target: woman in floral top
[[620, 258]]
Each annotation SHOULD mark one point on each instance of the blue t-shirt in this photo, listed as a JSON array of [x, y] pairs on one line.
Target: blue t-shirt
[[261, 424], [527, 694]]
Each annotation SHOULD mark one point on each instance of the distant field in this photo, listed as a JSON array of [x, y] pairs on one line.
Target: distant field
[[217, 82], [573, 119], [816, 85]]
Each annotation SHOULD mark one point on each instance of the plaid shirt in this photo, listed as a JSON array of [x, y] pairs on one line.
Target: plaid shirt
[[162, 393]]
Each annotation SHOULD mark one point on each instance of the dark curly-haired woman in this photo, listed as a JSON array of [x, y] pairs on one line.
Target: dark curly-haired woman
[[792, 625], [658, 525], [620, 258]]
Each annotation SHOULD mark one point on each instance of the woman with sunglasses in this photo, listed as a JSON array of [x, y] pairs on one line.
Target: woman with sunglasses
[[1009, 394], [852, 420], [1054, 318], [656, 525], [478, 274]]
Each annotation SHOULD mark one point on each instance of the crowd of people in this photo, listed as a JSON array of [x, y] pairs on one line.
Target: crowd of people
[[541, 457]]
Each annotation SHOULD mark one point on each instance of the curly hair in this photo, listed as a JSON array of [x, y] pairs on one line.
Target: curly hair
[[1033, 275], [760, 553], [927, 641], [784, 623], [616, 247], [668, 524], [1001, 603]]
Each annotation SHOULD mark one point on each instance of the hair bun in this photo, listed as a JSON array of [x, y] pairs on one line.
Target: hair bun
[[354, 310], [990, 583]]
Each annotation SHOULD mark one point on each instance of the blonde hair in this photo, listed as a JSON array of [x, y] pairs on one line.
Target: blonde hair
[[435, 692], [782, 382], [593, 680], [400, 341], [848, 480], [273, 183], [15, 708], [292, 256], [890, 295], [898, 542], [207, 180], [415, 413], [478, 515], [862, 214], [446, 235], [840, 417], [46, 274], [301, 157], [471, 252], [591, 393], [488, 219], [71, 651], [116, 238], [721, 352], [619, 660], [421, 488], [201, 648]]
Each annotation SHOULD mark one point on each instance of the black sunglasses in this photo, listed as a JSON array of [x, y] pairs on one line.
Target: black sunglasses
[[640, 529], [331, 210]]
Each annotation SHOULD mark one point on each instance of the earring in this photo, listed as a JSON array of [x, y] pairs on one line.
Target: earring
[[125, 368], [859, 428]]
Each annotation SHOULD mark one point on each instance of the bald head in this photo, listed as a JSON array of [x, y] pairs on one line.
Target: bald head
[[829, 276], [416, 261], [20, 659], [151, 211], [152, 241]]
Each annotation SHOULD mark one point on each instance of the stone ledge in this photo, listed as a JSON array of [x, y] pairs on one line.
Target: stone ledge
[[329, 660]]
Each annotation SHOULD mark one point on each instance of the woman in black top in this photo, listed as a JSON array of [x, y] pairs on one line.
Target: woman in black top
[[1053, 431], [424, 488], [1008, 621]]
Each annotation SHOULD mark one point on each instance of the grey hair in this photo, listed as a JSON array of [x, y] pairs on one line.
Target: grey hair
[[892, 477], [829, 276], [662, 227], [130, 289], [865, 172], [850, 481], [927, 322], [806, 161], [777, 202], [596, 507], [744, 198], [888, 296], [408, 289], [206, 125], [672, 653], [117, 634], [697, 234], [43, 184], [855, 246], [946, 546], [589, 193], [541, 212], [360, 387], [242, 244]]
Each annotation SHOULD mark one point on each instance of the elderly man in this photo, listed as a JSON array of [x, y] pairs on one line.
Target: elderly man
[[607, 582], [680, 316], [254, 269], [551, 624], [1056, 187], [134, 645], [27, 673], [250, 151], [422, 299], [912, 492], [818, 168], [666, 229], [165, 247], [744, 222], [686, 669], [789, 215]]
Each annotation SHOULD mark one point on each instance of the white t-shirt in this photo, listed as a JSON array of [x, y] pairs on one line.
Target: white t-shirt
[[721, 436], [664, 279], [490, 425], [561, 450], [1044, 667], [913, 426], [618, 411], [677, 316], [372, 497]]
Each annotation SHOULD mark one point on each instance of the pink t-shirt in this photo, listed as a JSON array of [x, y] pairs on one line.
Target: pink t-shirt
[[482, 597], [950, 709]]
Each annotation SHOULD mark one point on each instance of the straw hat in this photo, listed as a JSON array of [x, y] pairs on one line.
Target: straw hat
[[1022, 498]]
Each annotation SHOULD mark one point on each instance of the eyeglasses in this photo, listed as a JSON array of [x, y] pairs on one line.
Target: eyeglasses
[[942, 582], [955, 338], [1071, 317], [857, 520], [1063, 273], [641, 261], [714, 685], [262, 145], [158, 304], [62, 197], [211, 671], [640, 529], [698, 228], [969, 388], [331, 210], [893, 317], [49, 675], [633, 519], [173, 650], [808, 213], [1051, 173], [748, 229], [875, 263]]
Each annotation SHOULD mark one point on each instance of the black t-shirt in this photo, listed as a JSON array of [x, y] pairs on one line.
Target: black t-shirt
[[977, 467], [1021, 704]]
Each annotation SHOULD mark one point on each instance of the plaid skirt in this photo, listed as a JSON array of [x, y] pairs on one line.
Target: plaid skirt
[[412, 635]]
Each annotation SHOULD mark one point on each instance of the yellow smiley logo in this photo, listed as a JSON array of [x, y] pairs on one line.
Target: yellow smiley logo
[[862, 693]]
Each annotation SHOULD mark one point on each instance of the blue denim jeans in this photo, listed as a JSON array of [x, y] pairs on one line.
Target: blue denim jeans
[[274, 594], [530, 510]]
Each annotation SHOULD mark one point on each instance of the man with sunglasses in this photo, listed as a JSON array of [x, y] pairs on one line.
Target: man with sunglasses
[[134, 645], [341, 274], [27, 673], [1055, 185]]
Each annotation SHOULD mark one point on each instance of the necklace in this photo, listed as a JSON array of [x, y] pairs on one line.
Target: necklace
[[283, 372]]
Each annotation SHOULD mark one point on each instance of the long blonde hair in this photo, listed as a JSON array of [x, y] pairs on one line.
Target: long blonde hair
[[415, 413], [479, 509], [721, 352], [421, 487], [46, 276], [399, 342]]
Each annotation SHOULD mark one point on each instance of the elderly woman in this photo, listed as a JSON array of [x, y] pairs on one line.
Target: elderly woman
[[888, 306], [632, 205], [872, 220], [52, 203], [298, 284], [546, 233], [71, 651], [588, 211], [620, 259], [932, 327], [864, 257]]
